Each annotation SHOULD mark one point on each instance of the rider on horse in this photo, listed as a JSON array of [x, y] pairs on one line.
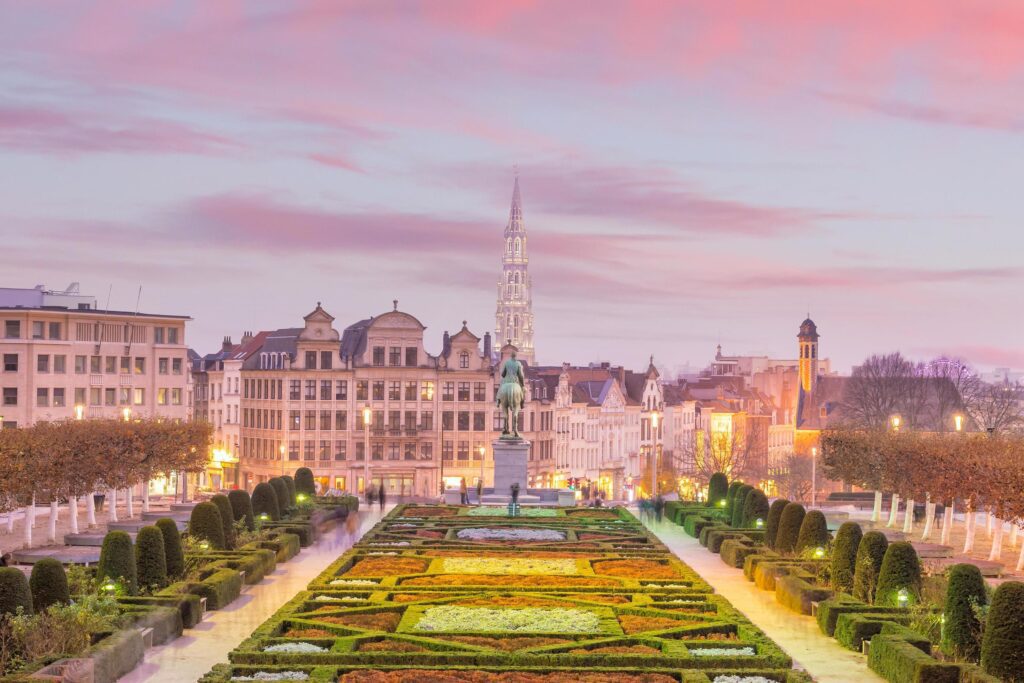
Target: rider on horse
[[511, 395]]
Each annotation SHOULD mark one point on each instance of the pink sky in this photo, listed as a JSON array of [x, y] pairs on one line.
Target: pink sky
[[692, 172]]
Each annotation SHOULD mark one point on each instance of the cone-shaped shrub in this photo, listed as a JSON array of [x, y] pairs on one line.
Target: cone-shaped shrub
[[961, 630], [738, 501], [264, 501], [813, 532], [173, 554], [49, 584], [771, 526], [789, 528], [151, 557], [844, 556], [241, 508], [290, 486], [755, 508], [900, 574], [117, 560], [281, 492], [718, 487], [1002, 649], [870, 553], [729, 495], [227, 519], [14, 591], [304, 482], [206, 524]]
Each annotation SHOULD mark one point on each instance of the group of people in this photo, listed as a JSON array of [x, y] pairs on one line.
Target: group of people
[[464, 491], [373, 493], [651, 509]]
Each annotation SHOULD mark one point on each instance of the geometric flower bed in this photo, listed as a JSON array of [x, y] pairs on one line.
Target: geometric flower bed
[[600, 600]]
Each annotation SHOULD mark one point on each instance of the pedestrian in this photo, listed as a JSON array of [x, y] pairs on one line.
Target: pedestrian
[[659, 507], [5, 560], [463, 492], [381, 497], [370, 494], [479, 491]]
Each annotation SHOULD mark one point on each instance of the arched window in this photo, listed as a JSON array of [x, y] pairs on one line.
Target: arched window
[[510, 278], [517, 277], [464, 360], [519, 248], [515, 327], [508, 246]]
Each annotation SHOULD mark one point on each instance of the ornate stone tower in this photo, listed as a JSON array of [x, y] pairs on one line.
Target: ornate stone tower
[[808, 339], [513, 321]]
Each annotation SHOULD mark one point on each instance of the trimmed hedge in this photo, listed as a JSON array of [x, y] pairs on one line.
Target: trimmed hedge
[[771, 525], [730, 494], [830, 610], [264, 501], [1002, 649], [281, 492], [844, 556], [49, 584], [901, 571], [718, 487], [853, 628], [150, 557], [219, 588], [289, 483], [14, 591], [241, 507], [797, 591], [896, 659], [738, 502], [755, 508], [789, 528], [813, 532], [227, 519], [174, 557], [207, 524], [117, 560], [961, 630], [870, 553], [304, 481]]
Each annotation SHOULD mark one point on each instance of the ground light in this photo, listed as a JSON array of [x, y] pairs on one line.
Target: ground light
[[902, 597], [264, 517], [204, 545], [110, 587], [819, 552], [721, 503], [302, 497], [759, 522]]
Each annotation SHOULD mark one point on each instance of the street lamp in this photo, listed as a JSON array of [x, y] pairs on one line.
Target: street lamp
[[655, 416], [895, 421], [482, 452], [79, 411], [367, 416], [126, 413], [958, 422], [814, 476]]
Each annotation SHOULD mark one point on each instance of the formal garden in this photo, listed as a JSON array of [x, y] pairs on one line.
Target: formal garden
[[149, 590], [446, 593], [868, 593]]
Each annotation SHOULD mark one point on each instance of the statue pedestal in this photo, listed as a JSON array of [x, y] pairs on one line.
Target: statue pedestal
[[510, 459]]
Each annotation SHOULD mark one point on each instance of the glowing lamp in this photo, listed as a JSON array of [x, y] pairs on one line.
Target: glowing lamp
[[721, 503], [204, 545], [902, 597], [819, 552], [759, 522], [301, 497], [264, 517], [110, 587]]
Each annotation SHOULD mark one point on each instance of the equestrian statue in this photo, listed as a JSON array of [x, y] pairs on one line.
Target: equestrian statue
[[511, 396]]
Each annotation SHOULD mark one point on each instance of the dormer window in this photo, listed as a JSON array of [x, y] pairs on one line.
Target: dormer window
[[464, 360]]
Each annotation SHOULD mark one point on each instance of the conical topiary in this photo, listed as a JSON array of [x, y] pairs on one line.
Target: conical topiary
[[813, 532], [174, 556], [870, 553], [304, 482], [281, 491], [755, 508], [730, 494], [117, 561], [1002, 648], [961, 630], [289, 484], [14, 591], [227, 519], [771, 526], [844, 556], [49, 584], [264, 501], [738, 501], [150, 557], [206, 524], [241, 508], [789, 528], [899, 579], [718, 487]]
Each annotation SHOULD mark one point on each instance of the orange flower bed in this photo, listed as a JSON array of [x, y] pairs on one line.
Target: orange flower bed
[[388, 565], [472, 676], [595, 597], [507, 644], [516, 581], [430, 533], [309, 633], [378, 621], [429, 512], [618, 650], [635, 569], [593, 536], [390, 646], [512, 601], [501, 552], [413, 597], [592, 514], [632, 623], [716, 636]]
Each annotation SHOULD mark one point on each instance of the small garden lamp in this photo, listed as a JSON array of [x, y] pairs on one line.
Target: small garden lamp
[[819, 552], [205, 545], [902, 597], [759, 522], [264, 517], [110, 586], [126, 413], [721, 503], [301, 497]]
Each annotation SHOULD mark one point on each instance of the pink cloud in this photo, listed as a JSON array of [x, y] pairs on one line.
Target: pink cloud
[[931, 114], [873, 277]]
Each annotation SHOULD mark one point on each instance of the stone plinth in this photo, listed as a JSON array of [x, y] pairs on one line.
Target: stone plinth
[[510, 459]]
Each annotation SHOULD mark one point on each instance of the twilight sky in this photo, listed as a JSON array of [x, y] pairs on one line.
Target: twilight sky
[[692, 172]]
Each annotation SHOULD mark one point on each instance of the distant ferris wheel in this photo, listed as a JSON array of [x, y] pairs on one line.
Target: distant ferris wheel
[[950, 367]]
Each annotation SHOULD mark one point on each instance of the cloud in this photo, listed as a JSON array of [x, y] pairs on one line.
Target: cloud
[[869, 278], [924, 113]]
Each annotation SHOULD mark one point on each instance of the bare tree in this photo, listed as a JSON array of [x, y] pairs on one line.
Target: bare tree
[[954, 388], [1000, 407], [872, 395], [794, 481]]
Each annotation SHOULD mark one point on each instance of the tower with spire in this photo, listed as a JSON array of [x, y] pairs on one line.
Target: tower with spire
[[513, 320]]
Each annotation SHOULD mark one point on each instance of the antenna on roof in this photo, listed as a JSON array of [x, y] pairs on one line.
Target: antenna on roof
[[110, 291]]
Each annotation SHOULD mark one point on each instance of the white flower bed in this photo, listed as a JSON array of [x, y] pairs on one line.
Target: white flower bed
[[353, 582], [447, 618], [345, 598], [488, 534], [392, 544], [743, 679], [297, 648], [722, 652], [279, 676]]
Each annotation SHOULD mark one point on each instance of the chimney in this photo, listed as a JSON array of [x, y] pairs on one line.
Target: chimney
[[487, 345], [226, 344], [446, 344], [246, 337]]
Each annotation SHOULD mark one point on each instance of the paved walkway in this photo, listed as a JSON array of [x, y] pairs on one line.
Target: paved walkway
[[195, 653], [798, 635]]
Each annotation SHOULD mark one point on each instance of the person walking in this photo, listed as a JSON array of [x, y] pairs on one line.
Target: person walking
[[370, 494], [479, 491], [659, 507], [381, 496], [463, 492]]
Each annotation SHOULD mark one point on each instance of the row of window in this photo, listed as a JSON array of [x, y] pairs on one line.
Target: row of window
[[394, 356], [97, 396], [337, 420], [337, 390], [40, 330], [54, 330], [57, 364]]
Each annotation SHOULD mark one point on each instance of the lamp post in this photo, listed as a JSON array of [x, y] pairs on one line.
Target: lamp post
[[482, 451], [126, 413], [79, 411], [655, 416], [814, 476], [895, 421], [958, 422], [441, 454], [367, 416]]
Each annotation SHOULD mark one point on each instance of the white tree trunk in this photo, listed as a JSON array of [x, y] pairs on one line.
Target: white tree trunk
[[1013, 536], [894, 511], [908, 516], [997, 542], [876, 512], [988, 522], [947, 524], [73, 513], [129, 505], [145, 496], [90, 510], [112, 495], [51, 528], [972, 525], [929, 516], [30, 519], [1020, 559], [10, 521]]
